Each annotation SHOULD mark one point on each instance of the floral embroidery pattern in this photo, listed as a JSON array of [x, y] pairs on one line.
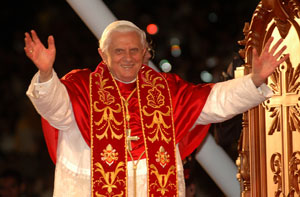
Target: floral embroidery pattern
[[108, 119], [156, 101]]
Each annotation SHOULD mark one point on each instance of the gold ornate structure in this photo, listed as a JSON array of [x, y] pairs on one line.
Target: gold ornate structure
[[269, 147]]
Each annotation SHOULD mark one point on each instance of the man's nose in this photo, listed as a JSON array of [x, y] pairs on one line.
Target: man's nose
[[128, 56]]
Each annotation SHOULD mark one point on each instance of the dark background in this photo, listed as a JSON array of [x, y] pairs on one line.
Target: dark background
[[208, 32]]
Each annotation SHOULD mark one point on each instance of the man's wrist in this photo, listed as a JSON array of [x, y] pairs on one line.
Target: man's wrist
[[256, 81], [45, 76]]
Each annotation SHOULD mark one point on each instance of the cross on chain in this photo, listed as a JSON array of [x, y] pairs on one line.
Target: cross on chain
[[129, 138]]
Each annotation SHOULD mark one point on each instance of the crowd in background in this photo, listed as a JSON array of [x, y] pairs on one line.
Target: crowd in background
[[208, 32]]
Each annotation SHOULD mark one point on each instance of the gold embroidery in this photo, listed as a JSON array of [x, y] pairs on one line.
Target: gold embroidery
[[156, 100], [108, 117], [151, 82], [109, 155], [107, 99], [116, 195], [110, 179], [158, 120], [162, 179], [162, 156], [104, 95]]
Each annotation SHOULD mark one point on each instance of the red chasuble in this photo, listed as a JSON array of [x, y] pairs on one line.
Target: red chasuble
[[164, 109]]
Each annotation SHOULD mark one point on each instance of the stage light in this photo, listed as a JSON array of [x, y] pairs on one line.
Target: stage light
[[152, 29], [165, 65], [211, 62], [206, 76], [174, 41], [175, 50]]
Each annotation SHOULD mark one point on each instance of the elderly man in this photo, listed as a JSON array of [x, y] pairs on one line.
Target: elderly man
[[113, 131]]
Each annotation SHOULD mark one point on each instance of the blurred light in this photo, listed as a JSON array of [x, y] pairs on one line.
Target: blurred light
[[163, 61], [213, 17], [174, 41], [152, 29], [211, 62], [165, 65], [175, 50], [206, 76]]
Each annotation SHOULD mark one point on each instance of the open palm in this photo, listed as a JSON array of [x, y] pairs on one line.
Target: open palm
[[41, 56], [265, 64]]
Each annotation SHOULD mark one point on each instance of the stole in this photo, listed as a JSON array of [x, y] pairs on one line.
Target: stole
[[108, 134]]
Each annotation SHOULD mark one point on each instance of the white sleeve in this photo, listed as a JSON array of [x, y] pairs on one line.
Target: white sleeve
[[51, 100], [231, 98]]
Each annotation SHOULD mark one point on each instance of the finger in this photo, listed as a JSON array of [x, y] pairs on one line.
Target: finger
[[27, 51], [279, 53], [274, 48], [51, 44], [254, 54], [28, 44], [283, 59], [27, 36], [268, 44], [28, 40], [35, 37]]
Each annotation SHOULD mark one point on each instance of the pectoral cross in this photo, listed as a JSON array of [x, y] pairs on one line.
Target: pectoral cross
[[129, 138]]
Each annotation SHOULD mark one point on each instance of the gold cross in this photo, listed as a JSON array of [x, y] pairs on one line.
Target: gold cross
[[284, 105], [129, 138], [283, 116]]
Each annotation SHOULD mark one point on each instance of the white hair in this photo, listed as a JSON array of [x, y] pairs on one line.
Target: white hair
[[120, 26]]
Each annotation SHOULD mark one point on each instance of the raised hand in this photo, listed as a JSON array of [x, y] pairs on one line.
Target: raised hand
[[42, 57], [265, 64]]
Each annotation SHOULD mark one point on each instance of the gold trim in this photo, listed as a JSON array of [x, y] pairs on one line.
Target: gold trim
[[170, 113], [174, 133], [143, 130], [124, 122], [91, 131], [109, 180]]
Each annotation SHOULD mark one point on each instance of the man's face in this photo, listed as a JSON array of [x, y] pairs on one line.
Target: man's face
[[124, 55]]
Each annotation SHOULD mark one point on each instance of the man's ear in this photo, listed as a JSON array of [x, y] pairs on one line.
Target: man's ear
[[103, 55]]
